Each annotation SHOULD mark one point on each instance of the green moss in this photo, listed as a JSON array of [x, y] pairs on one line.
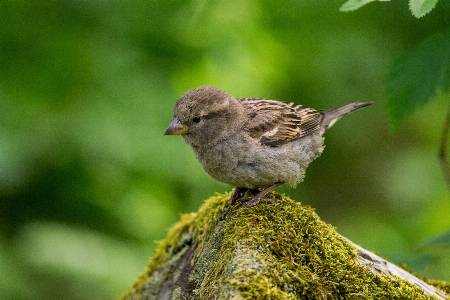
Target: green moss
[[442, 285], [192, 228], [176, 294], [270, 251]]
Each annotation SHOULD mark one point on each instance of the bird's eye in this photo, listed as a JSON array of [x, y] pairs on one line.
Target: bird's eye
[[196, 119]]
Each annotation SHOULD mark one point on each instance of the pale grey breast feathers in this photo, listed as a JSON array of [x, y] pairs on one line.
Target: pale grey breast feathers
[[275, 123]]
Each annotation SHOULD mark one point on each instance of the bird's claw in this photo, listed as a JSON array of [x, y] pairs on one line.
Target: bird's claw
[[249, 201], [252, 201], [238, 193]]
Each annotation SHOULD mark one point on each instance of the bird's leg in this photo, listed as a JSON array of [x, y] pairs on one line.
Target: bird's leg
[[261, 195], [237, 194]]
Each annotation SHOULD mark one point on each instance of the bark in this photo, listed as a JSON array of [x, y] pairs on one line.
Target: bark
[[270, 251]]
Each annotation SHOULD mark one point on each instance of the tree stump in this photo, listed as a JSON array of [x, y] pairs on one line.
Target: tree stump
[[270, 251]]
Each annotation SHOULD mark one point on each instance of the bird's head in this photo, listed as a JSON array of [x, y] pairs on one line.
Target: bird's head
[[202, 115]]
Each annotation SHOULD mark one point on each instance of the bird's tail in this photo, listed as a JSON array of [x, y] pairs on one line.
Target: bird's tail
[[332, 115]]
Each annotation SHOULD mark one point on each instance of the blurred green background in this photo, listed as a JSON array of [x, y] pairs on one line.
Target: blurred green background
[[88, 182]]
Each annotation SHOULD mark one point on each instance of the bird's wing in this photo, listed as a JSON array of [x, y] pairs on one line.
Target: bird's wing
[[275, 123]]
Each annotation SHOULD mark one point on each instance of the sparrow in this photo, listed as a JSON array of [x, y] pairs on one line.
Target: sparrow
[[252, 143]]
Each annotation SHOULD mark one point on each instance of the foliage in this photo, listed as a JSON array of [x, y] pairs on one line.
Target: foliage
[[419, 8], [418, 75]]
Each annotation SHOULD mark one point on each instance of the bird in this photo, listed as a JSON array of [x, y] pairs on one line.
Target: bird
[[252, 143]]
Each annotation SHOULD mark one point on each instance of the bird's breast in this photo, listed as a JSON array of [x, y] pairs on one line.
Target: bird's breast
[[243, 163]]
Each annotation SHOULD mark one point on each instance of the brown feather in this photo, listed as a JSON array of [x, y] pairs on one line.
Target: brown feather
[[275, 123]]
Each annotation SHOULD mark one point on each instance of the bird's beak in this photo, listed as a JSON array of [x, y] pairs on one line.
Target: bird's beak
[[176, 127]]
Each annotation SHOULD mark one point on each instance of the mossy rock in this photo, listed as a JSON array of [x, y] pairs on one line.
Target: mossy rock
[[269, 251]]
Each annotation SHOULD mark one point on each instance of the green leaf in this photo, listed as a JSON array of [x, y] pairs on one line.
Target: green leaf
[[420, 8], [352, 5], [417, 76]]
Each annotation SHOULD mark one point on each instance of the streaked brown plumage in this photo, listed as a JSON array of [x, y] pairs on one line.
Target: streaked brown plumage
[[251, 142], [275, 123]]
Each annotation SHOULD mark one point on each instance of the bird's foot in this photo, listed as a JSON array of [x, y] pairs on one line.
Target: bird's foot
[[238, 193], [250, 201]]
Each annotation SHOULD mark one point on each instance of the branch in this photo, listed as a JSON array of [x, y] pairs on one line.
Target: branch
[[276, 251]]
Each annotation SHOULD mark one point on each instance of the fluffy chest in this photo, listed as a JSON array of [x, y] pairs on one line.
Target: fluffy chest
[[225, 156], [243, 163]]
